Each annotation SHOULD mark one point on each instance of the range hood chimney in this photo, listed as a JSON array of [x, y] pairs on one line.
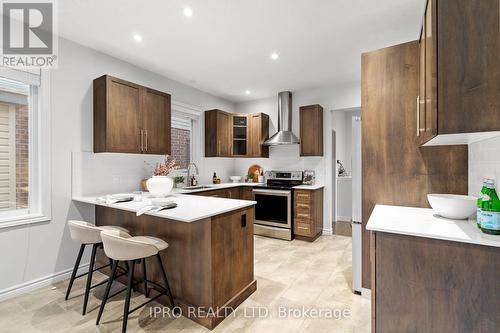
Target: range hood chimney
[[284, 136]]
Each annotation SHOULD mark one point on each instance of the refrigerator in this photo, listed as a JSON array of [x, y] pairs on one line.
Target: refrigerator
[[356, 204]]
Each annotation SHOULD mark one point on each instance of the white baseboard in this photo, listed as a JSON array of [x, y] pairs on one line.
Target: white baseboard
[[327, 232], [39, 283]]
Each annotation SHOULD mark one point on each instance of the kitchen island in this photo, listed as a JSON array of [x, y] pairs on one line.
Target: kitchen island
[[209, 260], [431, 274]]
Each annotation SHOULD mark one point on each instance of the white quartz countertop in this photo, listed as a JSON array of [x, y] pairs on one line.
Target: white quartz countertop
[[189, 208], [308, 187], [423, 222]]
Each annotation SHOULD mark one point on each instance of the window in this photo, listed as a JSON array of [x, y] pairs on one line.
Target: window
[[24, 148], [181, 138]]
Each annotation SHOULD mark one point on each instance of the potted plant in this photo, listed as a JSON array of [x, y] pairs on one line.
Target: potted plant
[[160, 184], [179, 181]]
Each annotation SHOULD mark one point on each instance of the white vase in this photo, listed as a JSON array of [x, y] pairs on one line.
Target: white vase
[[160, 185]]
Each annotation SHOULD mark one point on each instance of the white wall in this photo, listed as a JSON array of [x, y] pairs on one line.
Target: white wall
[[334, 97], [484, 161], [37, 251]]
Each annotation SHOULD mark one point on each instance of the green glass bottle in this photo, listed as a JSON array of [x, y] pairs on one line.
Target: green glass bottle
[[490, 213], [484, 191]]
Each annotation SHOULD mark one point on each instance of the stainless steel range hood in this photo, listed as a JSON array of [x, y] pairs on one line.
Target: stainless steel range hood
[[284, 136]]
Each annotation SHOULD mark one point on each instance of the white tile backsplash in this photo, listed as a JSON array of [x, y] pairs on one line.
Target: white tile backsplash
[[484, 161]]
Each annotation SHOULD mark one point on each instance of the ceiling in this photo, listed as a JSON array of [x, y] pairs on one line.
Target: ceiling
[[225, 47]]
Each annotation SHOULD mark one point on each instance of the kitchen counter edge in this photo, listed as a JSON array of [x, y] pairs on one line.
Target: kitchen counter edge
[[423, 222]]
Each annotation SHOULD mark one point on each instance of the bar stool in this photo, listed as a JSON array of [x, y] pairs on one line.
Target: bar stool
[[87, 234], [120, 246]]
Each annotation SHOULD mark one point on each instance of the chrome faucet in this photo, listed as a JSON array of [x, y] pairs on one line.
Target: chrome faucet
[[189, 174]]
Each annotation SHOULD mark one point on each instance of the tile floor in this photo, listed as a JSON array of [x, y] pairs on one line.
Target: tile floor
[[289, 275]]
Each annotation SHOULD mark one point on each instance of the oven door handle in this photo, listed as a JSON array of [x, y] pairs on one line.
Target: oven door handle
[[272, 192]]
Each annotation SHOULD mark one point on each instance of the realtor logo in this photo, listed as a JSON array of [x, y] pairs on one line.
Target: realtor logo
[[28, 36]]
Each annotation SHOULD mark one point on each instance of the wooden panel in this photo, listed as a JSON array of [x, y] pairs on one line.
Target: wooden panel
[[430, 37], [122, 117], [246, 193], [232, 253], [210, 133], [156, 116], [468, 65], [308, 214], [218, 138], [258, 133], [311, 130], [100, 102], [395, 170], [223, 134], [453, 287]]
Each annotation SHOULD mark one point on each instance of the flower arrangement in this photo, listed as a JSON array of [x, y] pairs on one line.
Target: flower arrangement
[[164, 168]]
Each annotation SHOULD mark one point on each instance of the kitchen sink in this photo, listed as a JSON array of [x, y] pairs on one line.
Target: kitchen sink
[[201, 187]]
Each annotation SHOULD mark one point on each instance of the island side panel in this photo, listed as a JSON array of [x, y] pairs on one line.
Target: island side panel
[[187, 259], [232, 253], [428, 285]]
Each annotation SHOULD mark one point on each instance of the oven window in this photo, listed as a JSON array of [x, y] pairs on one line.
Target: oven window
[[271, 208]]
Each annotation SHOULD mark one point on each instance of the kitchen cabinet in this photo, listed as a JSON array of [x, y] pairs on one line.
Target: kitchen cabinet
[[217, 133], [396, 170], [258, 133], [235, 135], [308, 214], [129, 118], [452, 285], [239, 135], [227, 193], [311, 130], [459, 89]]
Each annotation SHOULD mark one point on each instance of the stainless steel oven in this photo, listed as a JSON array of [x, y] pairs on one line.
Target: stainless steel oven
[[273, 211]]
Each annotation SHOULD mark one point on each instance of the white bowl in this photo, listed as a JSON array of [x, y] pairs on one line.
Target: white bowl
[[453, 206], [235, 179]]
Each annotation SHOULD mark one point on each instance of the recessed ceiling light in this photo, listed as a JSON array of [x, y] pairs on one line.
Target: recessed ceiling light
[[275, 56], [248, 92], [188, 12], [138, 38]]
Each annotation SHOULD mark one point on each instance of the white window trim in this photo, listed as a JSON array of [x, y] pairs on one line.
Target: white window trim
[[194, 112], [40, 195]]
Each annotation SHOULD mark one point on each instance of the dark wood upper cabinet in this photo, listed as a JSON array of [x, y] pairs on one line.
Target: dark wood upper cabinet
[[235, 135], [459, 70], [129, 118], [217, 134], [156, 121], [311, 130], [258, 133]]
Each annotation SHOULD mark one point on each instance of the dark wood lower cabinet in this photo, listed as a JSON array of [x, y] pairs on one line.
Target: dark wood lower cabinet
[[308, 214], [209, 263], [428, 285]]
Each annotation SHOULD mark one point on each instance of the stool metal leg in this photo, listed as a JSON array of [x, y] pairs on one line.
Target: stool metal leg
[[89, 277], [167, 286], [144, 275], [131, 265], [75, 269], [106, 292]]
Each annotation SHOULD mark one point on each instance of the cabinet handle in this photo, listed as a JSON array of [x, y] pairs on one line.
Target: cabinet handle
[[146, 133], [142, 140], [418, 115]]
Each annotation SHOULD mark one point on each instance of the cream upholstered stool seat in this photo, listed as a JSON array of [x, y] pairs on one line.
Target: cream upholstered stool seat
[[120, 246], [87, 234]]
